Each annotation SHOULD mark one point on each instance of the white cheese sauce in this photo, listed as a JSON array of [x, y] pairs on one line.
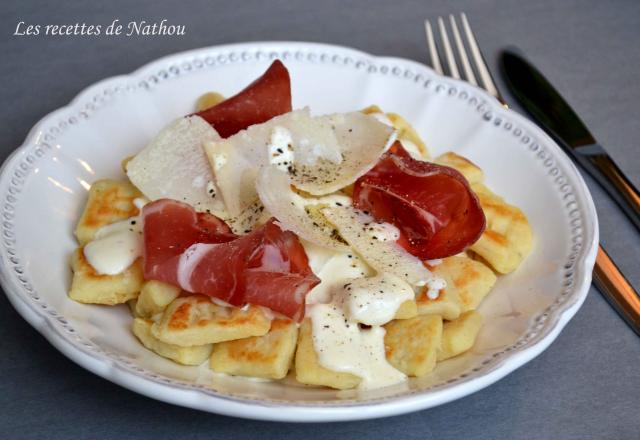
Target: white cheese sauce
[[347, 295], [330, 200], [334, 273], [374, 300], [343, 346], [434, 286], [116, 246]]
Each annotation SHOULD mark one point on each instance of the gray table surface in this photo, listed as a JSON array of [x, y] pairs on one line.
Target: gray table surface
[[585, 386]]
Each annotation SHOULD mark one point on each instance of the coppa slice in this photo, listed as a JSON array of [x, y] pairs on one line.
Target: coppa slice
[[437, 213], [320, 154], [266, 97], [174, 166], [268, 267]]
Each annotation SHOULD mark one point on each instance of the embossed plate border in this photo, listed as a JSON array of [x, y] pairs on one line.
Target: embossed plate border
[[543, 330]]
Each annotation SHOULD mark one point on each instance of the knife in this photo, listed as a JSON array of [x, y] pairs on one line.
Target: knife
[[557, 118], [544, 103]]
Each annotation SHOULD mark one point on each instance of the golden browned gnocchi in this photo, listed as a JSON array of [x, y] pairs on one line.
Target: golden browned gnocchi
[[268, 356], [190, 329], [196, 320], [88, 286]]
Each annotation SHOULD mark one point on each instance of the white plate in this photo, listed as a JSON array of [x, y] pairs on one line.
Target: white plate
[[43, 190]]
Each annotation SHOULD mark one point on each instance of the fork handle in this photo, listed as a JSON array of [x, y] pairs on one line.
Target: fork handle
[[598, 163], [617, 290]]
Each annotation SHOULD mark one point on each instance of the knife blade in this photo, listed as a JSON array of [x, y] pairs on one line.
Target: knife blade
[[537, 96], [559, 120]]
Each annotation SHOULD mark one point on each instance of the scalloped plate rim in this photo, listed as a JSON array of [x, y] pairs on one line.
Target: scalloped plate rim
[[304, 412]]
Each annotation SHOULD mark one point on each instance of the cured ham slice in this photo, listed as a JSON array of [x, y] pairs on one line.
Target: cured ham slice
[[320, 154], [198, 253], [169, 229], [432, 205], [174, 166], [266, 97]]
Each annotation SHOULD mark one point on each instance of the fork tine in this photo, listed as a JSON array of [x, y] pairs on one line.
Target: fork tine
[[433, 51], [462, 52], [448, 52], [479, 61]]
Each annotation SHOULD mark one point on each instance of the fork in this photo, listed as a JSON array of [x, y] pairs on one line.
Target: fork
[[451, 68], [606, 275]]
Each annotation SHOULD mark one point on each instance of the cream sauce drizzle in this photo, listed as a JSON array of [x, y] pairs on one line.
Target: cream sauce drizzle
[[374, 300], [347, 295], [116, 246], [341, 345]]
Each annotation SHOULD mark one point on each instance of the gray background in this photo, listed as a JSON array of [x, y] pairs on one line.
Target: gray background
[[585, 386]]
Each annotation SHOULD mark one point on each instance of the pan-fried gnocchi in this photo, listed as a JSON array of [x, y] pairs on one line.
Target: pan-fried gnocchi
[[109, 201], [508, 238], [196, 320], [193, 355], [88, 286], [468, 282], [411, 345], [268, 356], [459, 335], [154, 297], [433, 325], [308, 369], [469, 170]]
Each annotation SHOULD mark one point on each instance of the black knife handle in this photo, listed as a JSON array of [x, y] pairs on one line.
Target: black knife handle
[[598, 163]]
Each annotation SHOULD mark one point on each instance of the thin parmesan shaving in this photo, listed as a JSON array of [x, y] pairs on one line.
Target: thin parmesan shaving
[[174, 166], [384, 256], [320, 154], [299, 214]]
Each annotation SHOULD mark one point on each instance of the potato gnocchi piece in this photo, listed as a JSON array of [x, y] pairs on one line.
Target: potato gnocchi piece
[[411, 345], [109, 201], [446, 304], [468, 169], [269, 356], [132, 307], [407, 309], [195, 355], [154, 297], [508, 238], [406, 132], [208, 100], [90, 287], [459, 336], [196, 320], [468, 282], [309, 371]]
